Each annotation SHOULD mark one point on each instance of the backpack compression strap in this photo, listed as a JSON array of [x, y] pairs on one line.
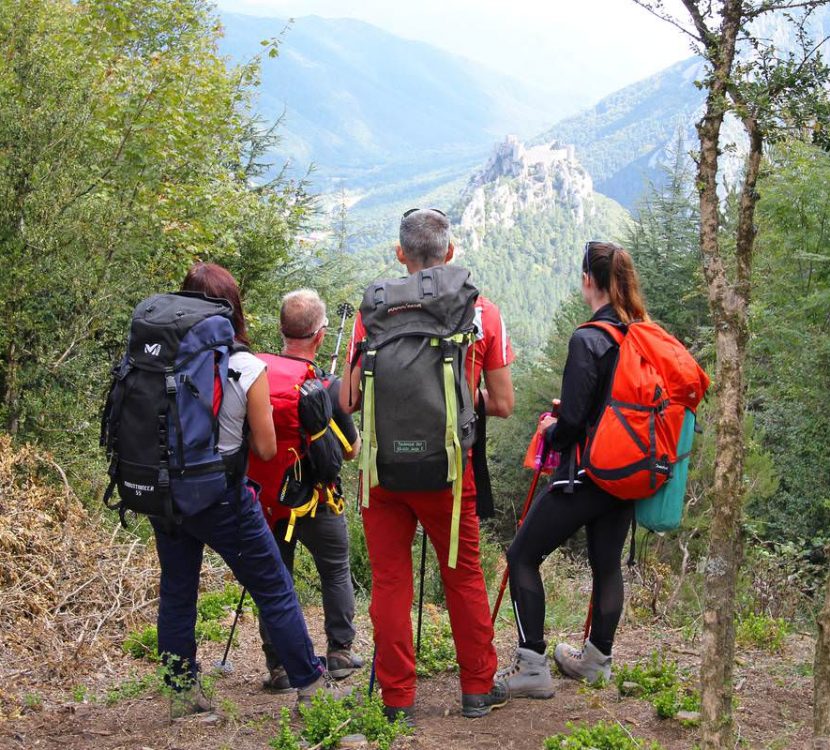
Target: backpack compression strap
[[451, 442], [369, 451]]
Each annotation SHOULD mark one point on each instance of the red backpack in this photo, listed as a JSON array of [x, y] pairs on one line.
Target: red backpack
[[632, 449], [292, 485]]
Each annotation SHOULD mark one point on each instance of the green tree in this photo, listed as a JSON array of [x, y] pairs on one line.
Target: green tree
[[768, 92], [127, 150]]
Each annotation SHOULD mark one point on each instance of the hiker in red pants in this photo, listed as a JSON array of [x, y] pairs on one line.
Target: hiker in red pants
[[391, 516], [610, 287]]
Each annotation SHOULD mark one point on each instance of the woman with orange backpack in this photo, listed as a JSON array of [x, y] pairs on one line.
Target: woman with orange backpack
[[610, 287]]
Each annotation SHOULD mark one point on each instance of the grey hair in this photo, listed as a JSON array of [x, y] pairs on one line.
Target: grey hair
[[302, 312], [425, 237]]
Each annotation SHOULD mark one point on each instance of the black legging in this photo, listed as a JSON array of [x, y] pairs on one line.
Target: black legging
[[552, 519]]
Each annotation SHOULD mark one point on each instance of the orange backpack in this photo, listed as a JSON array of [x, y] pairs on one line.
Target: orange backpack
[[632, 449]]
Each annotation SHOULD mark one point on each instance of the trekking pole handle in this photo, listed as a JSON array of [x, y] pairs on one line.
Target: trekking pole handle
[[344, 310]]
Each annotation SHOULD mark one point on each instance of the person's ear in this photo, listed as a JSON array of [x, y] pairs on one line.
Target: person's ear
[[399, 254], [450, 253]]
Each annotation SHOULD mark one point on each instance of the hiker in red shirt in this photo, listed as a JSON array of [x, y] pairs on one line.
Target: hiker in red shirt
[[303, 325], [391, 518]]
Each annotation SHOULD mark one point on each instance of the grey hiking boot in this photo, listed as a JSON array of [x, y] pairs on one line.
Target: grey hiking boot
[[475, 705], [589, 664], [277, 681], [187, 702], [342, 662], [325, 683], [528, 676]]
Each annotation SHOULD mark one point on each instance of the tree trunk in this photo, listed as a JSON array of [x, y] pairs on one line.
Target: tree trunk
[[821, 678], [725, 545]]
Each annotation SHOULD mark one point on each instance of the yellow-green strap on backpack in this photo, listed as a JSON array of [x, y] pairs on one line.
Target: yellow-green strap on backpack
[[369, 451], [453, 446]]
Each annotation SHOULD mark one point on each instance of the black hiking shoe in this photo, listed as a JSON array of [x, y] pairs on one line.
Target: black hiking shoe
[[404, 714], [475, 705]]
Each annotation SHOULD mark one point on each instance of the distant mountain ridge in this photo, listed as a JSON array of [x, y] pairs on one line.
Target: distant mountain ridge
[[623, 140], [368, 106]]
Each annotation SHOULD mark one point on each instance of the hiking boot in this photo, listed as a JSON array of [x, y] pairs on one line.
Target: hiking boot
[[589, 664], [327, 684], [187, 702], [342, 662], [404, 714], [474, 705], [528, 676], [277, 681]]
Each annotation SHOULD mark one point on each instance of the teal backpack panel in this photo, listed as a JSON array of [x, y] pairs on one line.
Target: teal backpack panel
[[664, 510]]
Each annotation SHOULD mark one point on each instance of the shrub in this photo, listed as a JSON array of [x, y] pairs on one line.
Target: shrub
[[600, 736], [327, 720], [142, 644], [662, 685], [762, 632]]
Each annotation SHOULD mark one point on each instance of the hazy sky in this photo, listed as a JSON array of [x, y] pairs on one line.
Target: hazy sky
[[604, 44]]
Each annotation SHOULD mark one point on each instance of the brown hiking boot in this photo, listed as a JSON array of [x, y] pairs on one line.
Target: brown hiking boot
[[277, 681], [342, 662], [187, 702], [325, 683]]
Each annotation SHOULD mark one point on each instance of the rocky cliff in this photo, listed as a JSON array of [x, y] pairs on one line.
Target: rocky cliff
[[518, 179]]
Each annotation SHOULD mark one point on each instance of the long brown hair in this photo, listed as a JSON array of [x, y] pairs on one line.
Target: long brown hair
[[612, 269], [214, 281]]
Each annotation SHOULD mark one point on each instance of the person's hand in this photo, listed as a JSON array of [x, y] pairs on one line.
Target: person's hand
[[546, 422]]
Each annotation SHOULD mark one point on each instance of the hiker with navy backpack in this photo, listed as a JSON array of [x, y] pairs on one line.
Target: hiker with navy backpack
[[187, 401], [627, 386], [301, 494], [412, 370]]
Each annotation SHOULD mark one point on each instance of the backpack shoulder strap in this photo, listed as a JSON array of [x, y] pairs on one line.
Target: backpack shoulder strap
[[616, 332]]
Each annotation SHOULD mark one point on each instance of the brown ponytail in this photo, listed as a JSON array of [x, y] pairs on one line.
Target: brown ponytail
[[613, 271]]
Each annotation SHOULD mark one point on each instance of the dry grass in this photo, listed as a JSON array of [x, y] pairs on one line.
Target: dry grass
[[70, 587]]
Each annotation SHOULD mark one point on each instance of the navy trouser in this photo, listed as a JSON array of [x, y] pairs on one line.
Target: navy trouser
[[246, 544]]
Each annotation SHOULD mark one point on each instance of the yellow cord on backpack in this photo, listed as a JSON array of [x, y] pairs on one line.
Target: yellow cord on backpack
[[309, 508], [454, 458], [369, 453]]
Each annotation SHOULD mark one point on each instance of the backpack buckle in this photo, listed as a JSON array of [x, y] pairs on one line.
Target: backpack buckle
[[170, 384]]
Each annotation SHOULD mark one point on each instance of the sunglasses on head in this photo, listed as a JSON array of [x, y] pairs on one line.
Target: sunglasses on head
[[413, 210], [588, 255], [325, 324]]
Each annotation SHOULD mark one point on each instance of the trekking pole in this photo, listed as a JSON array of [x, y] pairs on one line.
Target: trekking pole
[[544, 461], [372, 673], [421, 592], [224, 665], [587, 630], [528, 501], [344, 310]]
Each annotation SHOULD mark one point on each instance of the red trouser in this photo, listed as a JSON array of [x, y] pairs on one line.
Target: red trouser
[[390, 522]]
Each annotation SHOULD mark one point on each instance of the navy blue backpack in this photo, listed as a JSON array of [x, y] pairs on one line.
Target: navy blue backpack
[[160, 425]]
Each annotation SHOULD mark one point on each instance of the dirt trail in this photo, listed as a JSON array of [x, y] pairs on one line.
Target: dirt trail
[[774, 705]]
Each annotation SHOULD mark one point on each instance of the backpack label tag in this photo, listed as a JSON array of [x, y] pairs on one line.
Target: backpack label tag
[[410, 446]]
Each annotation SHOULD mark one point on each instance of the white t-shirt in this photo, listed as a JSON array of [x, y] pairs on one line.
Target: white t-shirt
[[235, 401]]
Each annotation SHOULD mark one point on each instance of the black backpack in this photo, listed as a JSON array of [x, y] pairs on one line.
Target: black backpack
[[160, 425], [418, 418]]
